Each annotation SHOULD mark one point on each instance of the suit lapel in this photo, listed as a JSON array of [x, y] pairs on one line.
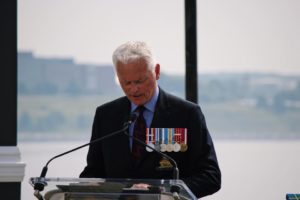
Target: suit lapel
[[124, 111], [162, 110]]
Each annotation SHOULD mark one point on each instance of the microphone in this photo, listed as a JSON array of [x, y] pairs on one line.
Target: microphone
[[39, 185]]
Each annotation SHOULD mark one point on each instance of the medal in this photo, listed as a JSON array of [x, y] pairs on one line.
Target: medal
[[169, 147], [163, 147], [148, 148], [167, 139], [177, 147], [157, 139], [183, 144], [157, 147], [149, 139], [183, 147]]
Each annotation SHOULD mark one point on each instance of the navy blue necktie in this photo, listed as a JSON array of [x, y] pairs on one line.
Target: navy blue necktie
[[139, 132]]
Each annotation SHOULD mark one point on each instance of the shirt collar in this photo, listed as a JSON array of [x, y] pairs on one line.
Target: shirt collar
[[150, 105]]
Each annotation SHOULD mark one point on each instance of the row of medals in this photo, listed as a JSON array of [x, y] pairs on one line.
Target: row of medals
[[176, 147]]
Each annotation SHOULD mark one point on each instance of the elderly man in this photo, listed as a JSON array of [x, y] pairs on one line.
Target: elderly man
[[179, 127]]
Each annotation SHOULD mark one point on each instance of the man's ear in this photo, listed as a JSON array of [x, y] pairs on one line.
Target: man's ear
[[157, 71]]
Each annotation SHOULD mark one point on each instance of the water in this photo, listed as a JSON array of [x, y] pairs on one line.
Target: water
[[254, 169]]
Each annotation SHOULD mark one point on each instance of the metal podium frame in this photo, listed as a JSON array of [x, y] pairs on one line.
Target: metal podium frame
[[109, 189]]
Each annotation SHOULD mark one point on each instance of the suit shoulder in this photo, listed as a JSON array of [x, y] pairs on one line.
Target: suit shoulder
[[114, 104], [178, 101]]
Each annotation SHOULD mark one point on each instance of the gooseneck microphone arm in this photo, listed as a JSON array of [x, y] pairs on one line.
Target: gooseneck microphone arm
[[45, 169]]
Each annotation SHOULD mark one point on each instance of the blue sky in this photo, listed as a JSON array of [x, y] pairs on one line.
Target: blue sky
[[233, 35]]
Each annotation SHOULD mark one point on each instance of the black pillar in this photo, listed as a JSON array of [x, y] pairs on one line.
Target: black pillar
[[191, 50], [8, 88], [8, 72]]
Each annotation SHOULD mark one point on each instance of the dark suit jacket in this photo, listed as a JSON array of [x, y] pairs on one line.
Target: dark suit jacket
[[111, 158]]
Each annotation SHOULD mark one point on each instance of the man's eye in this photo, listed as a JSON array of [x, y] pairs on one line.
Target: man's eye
[[127, 83]]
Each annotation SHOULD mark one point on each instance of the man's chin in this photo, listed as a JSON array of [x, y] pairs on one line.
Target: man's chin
[[137, 101]]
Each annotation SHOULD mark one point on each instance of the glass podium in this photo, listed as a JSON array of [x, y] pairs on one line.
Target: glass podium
[[108, 189]]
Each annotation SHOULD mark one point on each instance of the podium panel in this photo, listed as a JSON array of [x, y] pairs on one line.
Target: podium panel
[[110, 189]]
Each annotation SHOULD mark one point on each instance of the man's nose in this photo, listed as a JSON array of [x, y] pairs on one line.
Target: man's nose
[[134, 87]]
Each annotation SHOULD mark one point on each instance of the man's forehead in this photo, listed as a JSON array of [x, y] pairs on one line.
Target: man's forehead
[[133, 78]]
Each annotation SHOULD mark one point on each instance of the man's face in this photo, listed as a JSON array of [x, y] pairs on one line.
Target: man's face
[[137, 81]]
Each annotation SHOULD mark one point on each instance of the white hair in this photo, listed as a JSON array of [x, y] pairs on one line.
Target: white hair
[[133, 51]]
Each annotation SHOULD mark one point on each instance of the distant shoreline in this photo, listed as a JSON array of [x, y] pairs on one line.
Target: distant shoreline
[[86, 138]]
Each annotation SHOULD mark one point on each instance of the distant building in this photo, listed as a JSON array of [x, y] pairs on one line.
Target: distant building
[[62, 75]]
